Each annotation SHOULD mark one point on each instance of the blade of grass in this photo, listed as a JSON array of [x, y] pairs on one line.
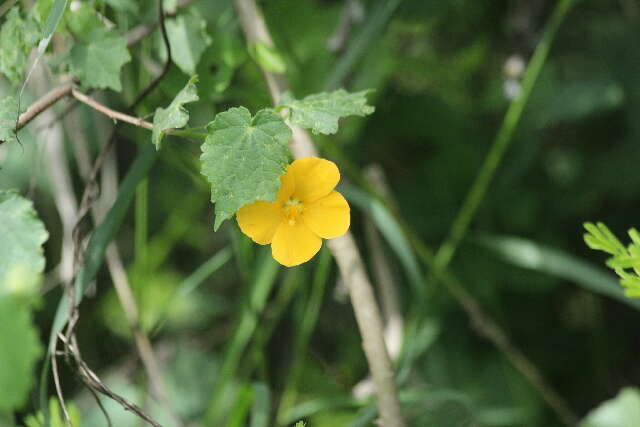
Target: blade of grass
[[358, 47], [95, 253], [303, 333], [142, 224], [534, 256], [205, 270], [249, 312], [503, 139], [241, 408], [392, 232], [261, 408]]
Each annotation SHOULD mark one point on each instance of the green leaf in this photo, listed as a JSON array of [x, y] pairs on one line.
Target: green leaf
[[175, 115], [20, 351], [82, 21], [98, 60], [21, 257], [531, 255], [243, 158], [19, 35], [267, 57], [621, 411], [189, 39], [130, 6], [8, 113], [56, 416], [321, 112]]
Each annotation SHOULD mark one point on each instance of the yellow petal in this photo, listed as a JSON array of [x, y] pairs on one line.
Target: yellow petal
[[287, 186], [294, 244], [260, 220], [314, 178], [329, 216]]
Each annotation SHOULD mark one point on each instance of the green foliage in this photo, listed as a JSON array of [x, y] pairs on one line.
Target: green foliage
[[189, 39], [56, 418], [267, 57], [621, 411], [175, 115], [243, 158], [8, 114], [19, 34], [321, 112], [97, 60], [23, 234], [21, 349], [625, 260]]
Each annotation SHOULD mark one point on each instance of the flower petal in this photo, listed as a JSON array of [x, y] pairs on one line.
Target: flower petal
[[294, 244], [314, 178], [287, 186], [329, 216], [260, 220]]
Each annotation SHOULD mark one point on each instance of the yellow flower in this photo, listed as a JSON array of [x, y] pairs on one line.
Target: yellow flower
[[306, 211]]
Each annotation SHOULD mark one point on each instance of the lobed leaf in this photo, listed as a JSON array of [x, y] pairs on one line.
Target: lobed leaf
[[97, 60], [175, 115], [243, 158], [321, 112]]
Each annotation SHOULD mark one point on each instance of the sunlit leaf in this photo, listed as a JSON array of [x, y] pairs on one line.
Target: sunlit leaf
[[243, 158], [321, 112]]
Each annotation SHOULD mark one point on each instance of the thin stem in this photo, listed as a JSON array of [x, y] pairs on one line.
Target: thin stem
[[502, 140], [115, 115], [42, 104], [343, 248]]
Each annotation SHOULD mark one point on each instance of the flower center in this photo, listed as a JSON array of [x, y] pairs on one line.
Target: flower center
[[292, 209]]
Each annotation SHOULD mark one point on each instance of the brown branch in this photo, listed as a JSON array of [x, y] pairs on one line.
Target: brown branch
[[42, 104], [343, 248], [115, 115]]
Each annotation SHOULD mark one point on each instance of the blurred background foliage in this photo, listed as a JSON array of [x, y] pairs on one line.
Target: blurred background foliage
[[244, 342]]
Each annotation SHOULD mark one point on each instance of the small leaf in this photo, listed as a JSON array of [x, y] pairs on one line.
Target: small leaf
[[22, 235], [243, 158], [18, 36], [98, 60], [267, 57], [8, 113], [20, 350], [189, 39], [175, 115], [321, 112], [621, 411]]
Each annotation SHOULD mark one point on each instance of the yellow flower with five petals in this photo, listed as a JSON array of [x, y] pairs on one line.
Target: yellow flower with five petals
[[307, 210]]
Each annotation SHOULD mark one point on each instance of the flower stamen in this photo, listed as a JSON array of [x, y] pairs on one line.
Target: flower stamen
[[292, 209]]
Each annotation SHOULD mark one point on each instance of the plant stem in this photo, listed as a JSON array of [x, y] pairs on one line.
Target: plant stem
[[502, 140], [115, 115], [343, 248]]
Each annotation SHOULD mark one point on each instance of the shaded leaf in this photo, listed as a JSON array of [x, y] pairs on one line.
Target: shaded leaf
[[19, 35], [243, 158], [22, 235], [189, 39], [267, 57], [175, 115], [321, 112], [20, 351], [98, 60]]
